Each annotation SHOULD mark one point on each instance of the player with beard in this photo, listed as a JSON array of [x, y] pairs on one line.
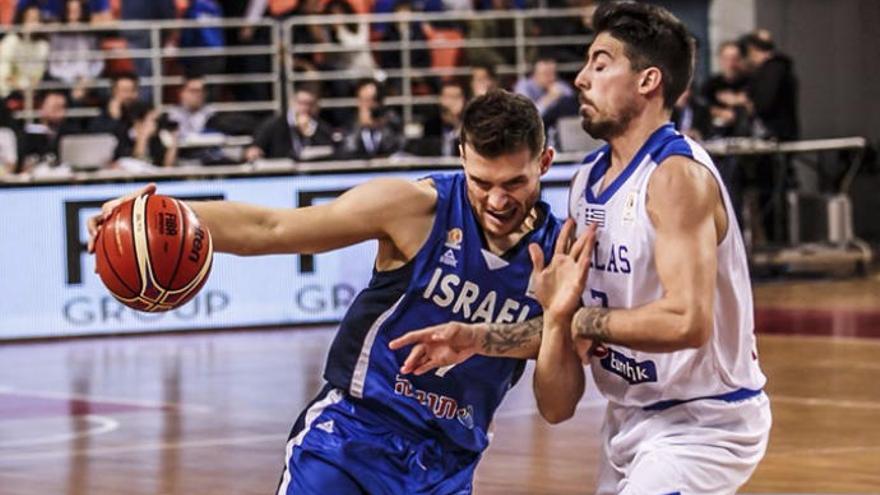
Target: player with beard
[[662, 311], [450, 247]]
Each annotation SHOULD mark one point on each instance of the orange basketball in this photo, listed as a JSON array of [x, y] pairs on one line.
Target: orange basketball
[[153, 254]]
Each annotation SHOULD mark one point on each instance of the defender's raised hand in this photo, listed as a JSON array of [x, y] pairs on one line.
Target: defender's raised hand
[[559, 285]]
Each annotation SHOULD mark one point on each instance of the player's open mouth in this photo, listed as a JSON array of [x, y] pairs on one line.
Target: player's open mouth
[[502, 216]]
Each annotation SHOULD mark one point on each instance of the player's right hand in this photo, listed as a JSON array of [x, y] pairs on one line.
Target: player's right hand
[[438, 346], [94, 223]]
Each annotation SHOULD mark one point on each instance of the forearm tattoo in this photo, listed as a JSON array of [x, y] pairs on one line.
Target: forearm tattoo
[[504, 337], [592, 323]]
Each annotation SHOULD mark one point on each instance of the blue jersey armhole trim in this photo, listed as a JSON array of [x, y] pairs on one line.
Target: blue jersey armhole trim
[[735, 396]]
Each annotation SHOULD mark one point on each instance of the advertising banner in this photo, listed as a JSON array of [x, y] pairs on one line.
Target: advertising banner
[[49, 288]]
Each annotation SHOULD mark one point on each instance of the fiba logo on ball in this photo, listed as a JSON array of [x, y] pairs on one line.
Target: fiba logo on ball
[[153, 254]]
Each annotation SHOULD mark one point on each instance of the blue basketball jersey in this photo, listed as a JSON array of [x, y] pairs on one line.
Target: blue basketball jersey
[[453, 277]]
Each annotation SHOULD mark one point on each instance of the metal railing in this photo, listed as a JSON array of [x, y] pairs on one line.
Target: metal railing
[[157, 54], [282, 48], [521, 42]]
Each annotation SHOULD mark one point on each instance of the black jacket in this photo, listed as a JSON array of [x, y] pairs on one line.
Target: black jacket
[[773, 89], [277, 140]]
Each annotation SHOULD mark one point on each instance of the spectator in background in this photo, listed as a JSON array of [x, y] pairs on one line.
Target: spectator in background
[[144, 10], [483, 79], [276, 9], [480, 29], [249, 35], [211, 37], [192, 114], [573, 25], [141, 138], [772, 89], [554, 98], [23, 56], [354, 36], [54, 10], [40, 139], [69, 59], [442, 132], [8, 141], [458, 5], [123, 90], [391, 32], [725, 93], [377, 132], [299, 134], [691, 116]]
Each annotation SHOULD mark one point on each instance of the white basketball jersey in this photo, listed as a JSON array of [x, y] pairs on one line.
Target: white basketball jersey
[[623, 275]]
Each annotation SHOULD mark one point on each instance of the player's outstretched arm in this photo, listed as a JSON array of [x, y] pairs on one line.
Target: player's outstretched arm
[[684, 203], [454, 342], [384, 209]]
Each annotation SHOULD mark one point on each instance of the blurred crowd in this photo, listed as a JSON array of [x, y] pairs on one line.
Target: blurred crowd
[[754, 93]]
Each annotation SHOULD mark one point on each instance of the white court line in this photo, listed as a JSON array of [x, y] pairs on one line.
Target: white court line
[[103, 425], [147, 447], [196, 408]]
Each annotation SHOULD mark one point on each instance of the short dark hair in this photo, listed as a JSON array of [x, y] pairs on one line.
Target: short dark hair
[[131, 76], [489, 68], [652, 37], [500, 122], [53, 93], [18, 17], [754, 40], [456, 83], [85, 12], [380, 90], [313, 89], [136, 110], [188, 78]]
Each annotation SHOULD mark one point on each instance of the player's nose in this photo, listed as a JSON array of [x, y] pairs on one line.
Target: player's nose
[[498, 200], [582, 80]]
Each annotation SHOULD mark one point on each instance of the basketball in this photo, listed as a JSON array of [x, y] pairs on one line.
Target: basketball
[[153, 254]]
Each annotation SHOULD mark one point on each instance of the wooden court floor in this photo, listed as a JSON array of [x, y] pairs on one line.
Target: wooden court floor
[[209, 413]]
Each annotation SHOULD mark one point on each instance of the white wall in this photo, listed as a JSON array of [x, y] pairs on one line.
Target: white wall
[[728, 20]]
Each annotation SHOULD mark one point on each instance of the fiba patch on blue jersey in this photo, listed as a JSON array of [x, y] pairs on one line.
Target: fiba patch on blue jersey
[[454, 237], [629, 369]]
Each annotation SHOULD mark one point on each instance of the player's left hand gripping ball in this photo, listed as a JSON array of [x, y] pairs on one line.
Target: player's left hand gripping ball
[[152, 253]]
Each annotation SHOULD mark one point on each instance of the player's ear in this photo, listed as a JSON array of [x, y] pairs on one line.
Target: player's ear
[[547, 159], [650, 80]]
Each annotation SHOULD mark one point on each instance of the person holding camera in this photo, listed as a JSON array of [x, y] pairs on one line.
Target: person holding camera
[[377, 132], [299, 134], [144, 137]]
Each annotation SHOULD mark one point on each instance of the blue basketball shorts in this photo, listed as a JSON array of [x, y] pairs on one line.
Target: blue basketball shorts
[[336, 447]]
